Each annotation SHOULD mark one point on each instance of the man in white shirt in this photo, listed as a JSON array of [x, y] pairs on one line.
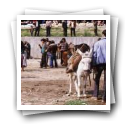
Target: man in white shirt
[[72, 27], [37, 27], [48, 28]]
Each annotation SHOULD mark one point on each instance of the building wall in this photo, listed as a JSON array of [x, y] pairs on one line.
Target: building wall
[[35, 41]]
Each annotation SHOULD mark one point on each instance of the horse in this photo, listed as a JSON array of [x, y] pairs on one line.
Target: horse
[[81, 70], [84, 69]]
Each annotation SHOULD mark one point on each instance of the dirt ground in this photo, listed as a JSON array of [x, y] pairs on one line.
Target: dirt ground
[[50, 87]]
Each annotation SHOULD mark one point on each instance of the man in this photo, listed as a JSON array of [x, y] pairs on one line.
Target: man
[[95, 22], [47, 44], [28, 49], [73, 26], [64, 26], [99, 60], [48, 28], [52, 49], [31, 30], [44, 53], [63, 49], [23, 56], [37, 27]]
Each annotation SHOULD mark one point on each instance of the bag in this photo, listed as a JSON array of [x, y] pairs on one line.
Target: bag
[[73, 61], [94, 61], [76, 62]]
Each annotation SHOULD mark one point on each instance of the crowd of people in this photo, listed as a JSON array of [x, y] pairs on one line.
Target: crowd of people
[[66, 24], [36, 28], [50, 50]]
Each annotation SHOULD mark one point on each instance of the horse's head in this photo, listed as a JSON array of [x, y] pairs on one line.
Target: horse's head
[[86, 60], [84, 47]]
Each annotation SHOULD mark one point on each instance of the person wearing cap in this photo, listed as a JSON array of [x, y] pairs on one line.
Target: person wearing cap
[[99, 60], [43, 48]]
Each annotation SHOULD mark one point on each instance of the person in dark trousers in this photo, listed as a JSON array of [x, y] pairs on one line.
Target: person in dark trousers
[[64, 51], [59, 49], [95, 22], [72, 27], [43, 62], [23, 56], [99, 60], [52, 49], [48, 28], [28, 49], [64, 26], [32, 31], [37, 27], [47, 44]]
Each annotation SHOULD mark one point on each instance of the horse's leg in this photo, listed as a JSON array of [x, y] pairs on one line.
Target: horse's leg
[[76, 84], [84, 89], [70, 88], [89, 80], [79, 85]]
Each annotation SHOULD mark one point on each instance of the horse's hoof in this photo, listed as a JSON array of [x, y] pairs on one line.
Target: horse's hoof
[[84, 95], [68, 94]]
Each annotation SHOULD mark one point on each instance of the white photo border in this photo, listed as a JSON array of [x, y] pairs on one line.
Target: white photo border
[[63, 107]]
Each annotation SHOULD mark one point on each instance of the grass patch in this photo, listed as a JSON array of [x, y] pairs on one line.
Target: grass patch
[[58, 32], [75, 102]]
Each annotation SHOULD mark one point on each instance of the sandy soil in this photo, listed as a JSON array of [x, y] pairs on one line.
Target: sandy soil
[[50, 86]]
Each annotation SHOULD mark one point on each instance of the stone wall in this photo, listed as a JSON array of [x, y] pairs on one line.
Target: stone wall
[[35, 41]]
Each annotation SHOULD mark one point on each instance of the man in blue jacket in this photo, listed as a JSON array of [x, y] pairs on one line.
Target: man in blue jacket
[[99, 58], [43, 48]]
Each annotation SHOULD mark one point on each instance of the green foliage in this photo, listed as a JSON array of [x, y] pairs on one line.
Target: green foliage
[[75, 102]]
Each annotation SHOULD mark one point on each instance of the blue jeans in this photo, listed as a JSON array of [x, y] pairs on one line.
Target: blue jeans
[[53, 58]]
